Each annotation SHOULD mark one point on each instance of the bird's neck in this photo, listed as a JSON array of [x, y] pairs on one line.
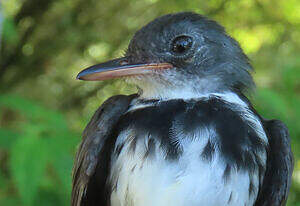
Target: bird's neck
[[169, 93], [188, 94]]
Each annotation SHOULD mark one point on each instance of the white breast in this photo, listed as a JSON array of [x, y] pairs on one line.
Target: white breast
[[188, 181]]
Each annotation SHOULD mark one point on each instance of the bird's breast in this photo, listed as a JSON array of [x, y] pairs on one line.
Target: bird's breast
[[178, 153]]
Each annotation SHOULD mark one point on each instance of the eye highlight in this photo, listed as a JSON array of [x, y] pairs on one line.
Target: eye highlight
[[181, 44]]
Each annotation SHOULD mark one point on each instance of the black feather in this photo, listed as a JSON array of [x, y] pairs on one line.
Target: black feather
[[278, 177]]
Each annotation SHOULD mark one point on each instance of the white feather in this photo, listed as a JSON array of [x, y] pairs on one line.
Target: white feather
[[189, 181]]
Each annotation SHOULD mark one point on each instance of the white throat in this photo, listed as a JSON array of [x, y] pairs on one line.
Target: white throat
[[168, 85], [188, 93]]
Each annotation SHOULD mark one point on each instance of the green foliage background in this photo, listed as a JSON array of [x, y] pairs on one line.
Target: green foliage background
[[45, 43]]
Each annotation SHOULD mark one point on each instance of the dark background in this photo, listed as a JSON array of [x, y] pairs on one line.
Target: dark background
[[45, 43]]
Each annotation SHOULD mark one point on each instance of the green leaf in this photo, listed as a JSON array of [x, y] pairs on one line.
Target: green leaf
[[28, 161], [63, 168], [271, 104], [291, 76], [3, 182], [62, 159], [26, 107], [7, 138], [49, 198], [10, 201], [51, 119], [10, 33]]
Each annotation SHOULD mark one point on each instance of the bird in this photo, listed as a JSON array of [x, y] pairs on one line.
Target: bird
[[190, 135]]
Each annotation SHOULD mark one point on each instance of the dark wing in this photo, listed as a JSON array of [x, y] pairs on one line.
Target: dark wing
[[91, 165], [280, 163]]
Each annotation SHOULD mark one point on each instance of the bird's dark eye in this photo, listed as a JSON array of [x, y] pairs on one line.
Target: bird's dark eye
[[181, 44]]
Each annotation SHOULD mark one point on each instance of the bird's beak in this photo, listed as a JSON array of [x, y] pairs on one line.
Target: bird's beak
[[119, 68]]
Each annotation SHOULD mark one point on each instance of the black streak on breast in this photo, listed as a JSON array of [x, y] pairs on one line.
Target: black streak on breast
[[155, 121], [238, 143]]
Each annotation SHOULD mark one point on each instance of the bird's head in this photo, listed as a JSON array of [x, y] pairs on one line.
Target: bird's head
[[179, 55]]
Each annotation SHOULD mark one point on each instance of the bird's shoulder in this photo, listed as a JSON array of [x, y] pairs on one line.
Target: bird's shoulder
[[108, 113]]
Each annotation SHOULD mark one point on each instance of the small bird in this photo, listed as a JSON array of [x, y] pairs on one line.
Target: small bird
[[190, 136]]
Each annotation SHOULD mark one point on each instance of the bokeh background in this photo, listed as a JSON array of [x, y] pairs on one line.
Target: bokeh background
[[45, 43]]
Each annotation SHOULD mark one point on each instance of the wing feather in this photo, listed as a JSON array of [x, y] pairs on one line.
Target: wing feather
[[280, 164], [91, 161]]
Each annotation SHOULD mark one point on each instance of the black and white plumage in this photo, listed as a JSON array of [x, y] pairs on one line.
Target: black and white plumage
[[190, 137]]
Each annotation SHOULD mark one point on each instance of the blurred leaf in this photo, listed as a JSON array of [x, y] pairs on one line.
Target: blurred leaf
[[33, 111], [63, 167], [62, 158], [28, 162], [3, 182], [9, 32], [28, 108], [10, 201], [291, 77], [48, 198], [7, 138], [46, 140], [271, 104]]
